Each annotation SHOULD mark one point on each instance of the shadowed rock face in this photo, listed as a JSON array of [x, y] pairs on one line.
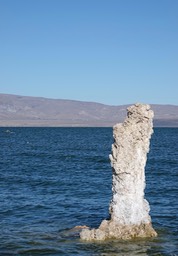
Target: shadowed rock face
[[129, 210]]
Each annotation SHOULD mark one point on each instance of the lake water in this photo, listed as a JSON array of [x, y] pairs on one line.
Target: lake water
[[52, 179]]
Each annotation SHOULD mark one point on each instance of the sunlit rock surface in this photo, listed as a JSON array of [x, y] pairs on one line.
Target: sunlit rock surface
[[129, 211]]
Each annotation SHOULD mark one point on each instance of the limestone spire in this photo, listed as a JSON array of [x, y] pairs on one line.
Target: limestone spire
[[129, 210]]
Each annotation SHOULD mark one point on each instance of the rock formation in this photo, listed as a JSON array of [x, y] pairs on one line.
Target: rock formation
[[129, 211]]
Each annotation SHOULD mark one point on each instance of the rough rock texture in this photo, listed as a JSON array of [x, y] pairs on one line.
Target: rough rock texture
[[129, 210]]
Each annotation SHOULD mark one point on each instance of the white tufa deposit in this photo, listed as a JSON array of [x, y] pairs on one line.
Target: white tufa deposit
[[129, 211]]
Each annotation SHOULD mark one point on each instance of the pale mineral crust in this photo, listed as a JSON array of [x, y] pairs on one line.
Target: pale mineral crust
[[129, 211]]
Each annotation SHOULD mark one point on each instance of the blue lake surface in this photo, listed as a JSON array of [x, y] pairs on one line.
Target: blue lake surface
[[52, 179]]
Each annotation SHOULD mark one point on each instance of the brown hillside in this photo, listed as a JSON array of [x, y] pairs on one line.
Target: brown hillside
[[35, 111]]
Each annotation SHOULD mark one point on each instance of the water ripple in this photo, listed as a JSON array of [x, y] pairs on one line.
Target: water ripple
[[52, 179]]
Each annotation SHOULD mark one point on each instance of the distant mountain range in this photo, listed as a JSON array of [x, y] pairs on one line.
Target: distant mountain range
[[36, 111]]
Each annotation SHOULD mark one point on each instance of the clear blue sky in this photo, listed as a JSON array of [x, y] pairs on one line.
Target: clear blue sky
[[108, 51]]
